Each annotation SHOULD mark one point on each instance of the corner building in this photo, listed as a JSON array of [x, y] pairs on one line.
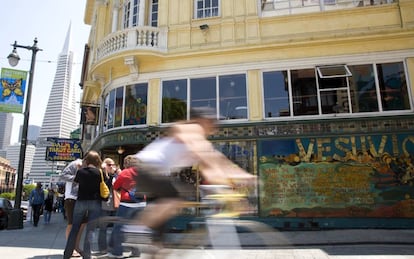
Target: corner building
[[313, 96]]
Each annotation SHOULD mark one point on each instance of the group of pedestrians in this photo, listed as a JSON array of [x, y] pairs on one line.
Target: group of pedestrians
[[85, 208], [148, 172], [41, 203]]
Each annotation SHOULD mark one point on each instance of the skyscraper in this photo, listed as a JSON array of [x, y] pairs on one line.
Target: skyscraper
[[6, 122], [13, 156], [32, 134], [60, 116]]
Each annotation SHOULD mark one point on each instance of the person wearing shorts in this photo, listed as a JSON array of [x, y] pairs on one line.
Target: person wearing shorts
[[71, 194]]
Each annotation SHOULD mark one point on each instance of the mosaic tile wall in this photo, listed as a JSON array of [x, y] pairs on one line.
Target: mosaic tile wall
[[269, 129]]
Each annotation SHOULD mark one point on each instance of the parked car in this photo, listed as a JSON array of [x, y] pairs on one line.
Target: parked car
[[5, 209]]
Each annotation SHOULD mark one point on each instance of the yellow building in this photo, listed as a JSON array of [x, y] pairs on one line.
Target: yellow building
[[7, 176], [313, 96]]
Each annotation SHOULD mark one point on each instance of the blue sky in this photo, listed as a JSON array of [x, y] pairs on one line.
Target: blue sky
[[48, 20]]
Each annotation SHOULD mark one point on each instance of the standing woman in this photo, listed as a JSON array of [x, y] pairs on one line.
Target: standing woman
[[49, 201], [87, 204], [109, 169]]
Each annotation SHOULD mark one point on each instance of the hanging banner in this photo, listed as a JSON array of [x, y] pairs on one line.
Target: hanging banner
[[63, 149], [12, 90], [89, 115]]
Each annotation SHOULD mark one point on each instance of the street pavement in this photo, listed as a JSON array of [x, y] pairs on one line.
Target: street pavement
[[48, 241]]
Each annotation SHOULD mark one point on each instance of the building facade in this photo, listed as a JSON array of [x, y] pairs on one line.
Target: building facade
[[6, 120], [313, 96], [7, 176]]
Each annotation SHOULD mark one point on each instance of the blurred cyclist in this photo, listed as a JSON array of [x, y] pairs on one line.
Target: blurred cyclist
[[185, 145]]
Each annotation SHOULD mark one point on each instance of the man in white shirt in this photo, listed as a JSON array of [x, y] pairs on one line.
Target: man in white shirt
[[71, 194]]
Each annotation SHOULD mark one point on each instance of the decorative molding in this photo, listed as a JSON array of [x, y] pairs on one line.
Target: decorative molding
[[100, 78], [133, 67]]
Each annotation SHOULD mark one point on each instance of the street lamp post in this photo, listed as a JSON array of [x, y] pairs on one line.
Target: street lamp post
[[13, 61]]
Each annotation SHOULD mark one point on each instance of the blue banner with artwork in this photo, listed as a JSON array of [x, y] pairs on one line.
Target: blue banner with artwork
[[12, 90]]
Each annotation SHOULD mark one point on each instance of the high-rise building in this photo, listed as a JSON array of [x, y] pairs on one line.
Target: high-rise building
[[32, 134], [6, 122], [13, 155], [60, 116]]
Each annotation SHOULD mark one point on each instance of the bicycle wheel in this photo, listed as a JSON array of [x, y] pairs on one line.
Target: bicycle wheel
[[224, 234]]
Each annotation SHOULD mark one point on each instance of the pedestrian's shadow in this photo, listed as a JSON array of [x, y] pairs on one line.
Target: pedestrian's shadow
[[57, 256]]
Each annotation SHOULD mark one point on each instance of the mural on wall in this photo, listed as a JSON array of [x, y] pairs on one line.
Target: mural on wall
[[349, 176]]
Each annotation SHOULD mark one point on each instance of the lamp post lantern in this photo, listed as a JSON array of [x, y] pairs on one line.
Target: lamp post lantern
[[13, 61]]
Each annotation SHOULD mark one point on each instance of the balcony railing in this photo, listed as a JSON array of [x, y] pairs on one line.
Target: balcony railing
[[138, 38], [286, 7]]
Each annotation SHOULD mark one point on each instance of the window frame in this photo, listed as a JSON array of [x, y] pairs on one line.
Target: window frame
[[151, 21], [131, 10], [322, 69], [400, 70], [204, 9]]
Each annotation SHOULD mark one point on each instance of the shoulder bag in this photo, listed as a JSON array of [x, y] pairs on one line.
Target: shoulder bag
[[103, 188]]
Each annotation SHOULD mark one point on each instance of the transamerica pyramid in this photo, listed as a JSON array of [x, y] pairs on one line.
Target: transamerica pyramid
[[60, 117]]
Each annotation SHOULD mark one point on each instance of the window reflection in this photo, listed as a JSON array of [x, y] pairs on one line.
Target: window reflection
[[393, 86], [119, 101], [203, 92], [363, 89], [276, 94], [174, 100], [334, 95], [305, 99], [111, 109], [233, 100], [136, 104]]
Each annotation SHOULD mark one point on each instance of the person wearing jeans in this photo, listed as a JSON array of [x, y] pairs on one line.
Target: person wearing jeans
[[48, 208], [36, 201], [88, 204], [129, 205]]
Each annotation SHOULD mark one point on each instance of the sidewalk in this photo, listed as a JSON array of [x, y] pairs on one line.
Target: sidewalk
[[48, 241]]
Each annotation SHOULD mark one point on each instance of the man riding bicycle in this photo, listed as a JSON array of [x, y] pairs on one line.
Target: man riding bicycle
[[186, 144]]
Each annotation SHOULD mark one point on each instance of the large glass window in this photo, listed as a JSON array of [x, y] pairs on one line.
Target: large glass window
[[203, 92], [276, 94], [337, 89], [136, 104], [333, 93], [364, 97], [174, 100], [110, 104], [304, 92], [393, 86], [119, 102], [233, 100], [206, 8]]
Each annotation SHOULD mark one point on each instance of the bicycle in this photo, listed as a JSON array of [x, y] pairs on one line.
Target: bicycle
[[219, 228]]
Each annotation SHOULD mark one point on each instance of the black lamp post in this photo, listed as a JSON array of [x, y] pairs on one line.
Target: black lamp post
[[13, 61]]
